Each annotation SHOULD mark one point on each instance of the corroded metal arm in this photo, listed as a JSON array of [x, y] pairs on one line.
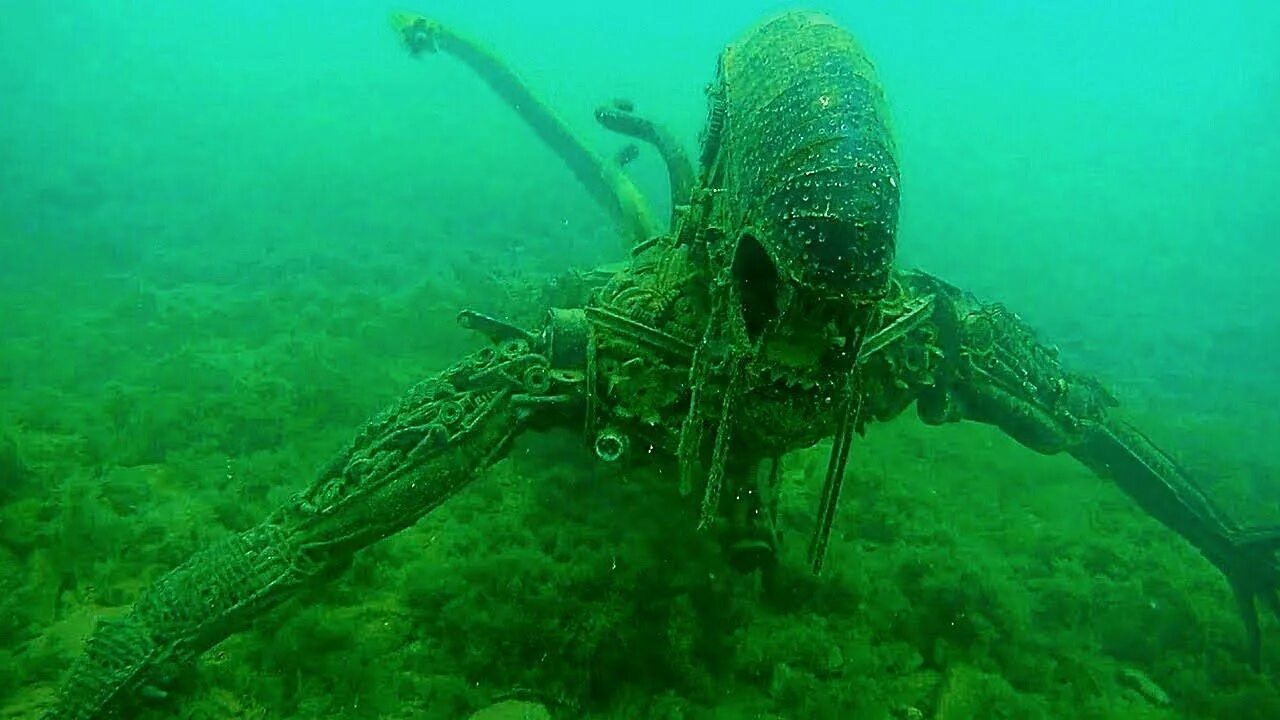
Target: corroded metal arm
[[1120, 452], [621, 118], [981, 362], [605, 181], [403, 464]]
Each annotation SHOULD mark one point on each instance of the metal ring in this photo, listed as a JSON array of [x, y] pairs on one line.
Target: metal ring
[[449, 413], [537, 380], [610, 445]]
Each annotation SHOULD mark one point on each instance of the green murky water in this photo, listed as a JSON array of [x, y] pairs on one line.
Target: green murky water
[[232, 231]]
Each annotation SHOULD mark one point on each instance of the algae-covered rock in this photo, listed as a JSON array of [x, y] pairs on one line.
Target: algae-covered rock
[[513, 710]]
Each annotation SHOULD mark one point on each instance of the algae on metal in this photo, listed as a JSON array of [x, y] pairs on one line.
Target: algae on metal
[[589, 590]]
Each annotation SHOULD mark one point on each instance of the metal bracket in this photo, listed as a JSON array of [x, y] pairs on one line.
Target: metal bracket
[[496, 330]]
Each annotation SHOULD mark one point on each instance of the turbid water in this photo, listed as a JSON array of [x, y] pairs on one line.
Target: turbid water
[[231, 232]]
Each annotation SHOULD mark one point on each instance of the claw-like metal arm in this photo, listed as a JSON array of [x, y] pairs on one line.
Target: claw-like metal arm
[[980, 362], [403, 464], [605, 181], [622, 118], [1118, 451]]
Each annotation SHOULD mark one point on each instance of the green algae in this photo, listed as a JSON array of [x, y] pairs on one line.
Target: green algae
[[966, 578]]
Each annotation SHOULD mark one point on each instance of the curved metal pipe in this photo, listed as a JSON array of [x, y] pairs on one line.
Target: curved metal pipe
[[605, 181], [620, 117]]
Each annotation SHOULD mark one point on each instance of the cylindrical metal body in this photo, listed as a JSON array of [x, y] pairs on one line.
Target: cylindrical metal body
[[800, 143]]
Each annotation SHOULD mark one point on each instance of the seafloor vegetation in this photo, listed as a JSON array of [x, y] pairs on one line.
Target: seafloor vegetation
[[148, 412]]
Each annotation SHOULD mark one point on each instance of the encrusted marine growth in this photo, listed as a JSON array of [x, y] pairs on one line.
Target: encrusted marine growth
[[796, 218], [769, 317], [402, 464], [802, 148]]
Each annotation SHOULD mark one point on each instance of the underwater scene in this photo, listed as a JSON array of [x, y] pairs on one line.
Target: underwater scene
[[857, 360]]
